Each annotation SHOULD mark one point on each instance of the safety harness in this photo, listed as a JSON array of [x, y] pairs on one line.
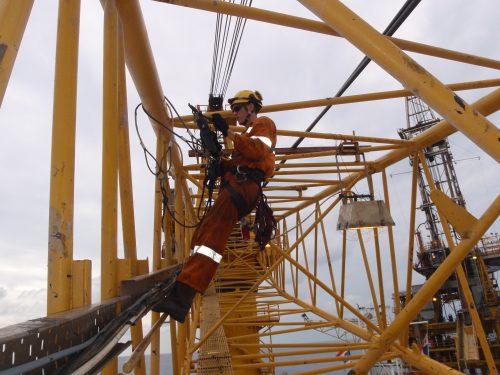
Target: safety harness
[[243, 174], [265, 224]]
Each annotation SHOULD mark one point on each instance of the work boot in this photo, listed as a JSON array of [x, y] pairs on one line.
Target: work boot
[[178, 302]]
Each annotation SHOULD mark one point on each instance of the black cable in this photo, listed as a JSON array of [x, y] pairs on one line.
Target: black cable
[[161, 174], [225, 52], [179, 117], [233, 57], [216, 50], [227, 25], [230, 54], [166, 208], [102, 338], [168, 128]]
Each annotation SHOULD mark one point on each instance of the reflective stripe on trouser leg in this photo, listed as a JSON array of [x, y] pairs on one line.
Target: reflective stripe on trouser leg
[[205, 250]]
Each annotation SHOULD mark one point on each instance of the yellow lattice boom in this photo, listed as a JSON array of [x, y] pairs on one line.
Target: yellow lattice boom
[[288, 305]]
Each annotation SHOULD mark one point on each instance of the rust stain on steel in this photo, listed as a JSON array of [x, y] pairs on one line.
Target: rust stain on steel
[[57, 237]]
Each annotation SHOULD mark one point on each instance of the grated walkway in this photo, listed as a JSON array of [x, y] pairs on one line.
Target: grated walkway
[[214, 357]]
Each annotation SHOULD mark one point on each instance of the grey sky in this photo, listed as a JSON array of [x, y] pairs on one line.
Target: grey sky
[[285, 65]]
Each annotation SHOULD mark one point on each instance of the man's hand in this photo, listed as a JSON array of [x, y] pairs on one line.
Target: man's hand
[[220, 124]]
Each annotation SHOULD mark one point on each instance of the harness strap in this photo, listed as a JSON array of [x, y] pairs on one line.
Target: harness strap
[[242, 174], [237, 199]]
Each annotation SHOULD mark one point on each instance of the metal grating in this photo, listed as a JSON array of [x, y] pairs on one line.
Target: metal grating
[[214, 357]]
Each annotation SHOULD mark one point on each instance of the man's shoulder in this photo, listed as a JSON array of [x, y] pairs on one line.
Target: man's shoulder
[[264, 121]]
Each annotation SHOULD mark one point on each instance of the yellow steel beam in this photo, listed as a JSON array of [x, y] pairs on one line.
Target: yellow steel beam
[[109, 200], [303, 361], [304, 252], [397, 304], [141, 63], [358, 98], [369, 276], [157, 244], [418, 360], [414, 77], [344, 258], [343, 302], [139, 350], [328, 258], [319, 171], [462, 278], [62, 165], [411, 238], [257, 14], [456, 215], [14, 15], [124, 166], [303, 352], [126, 195], [341, 137], [415, 359], [168, 241], [487, 105], [325, 164], [383, 315], [265, 276], [318, 181], [382, 343], [109, 154], [81, 280], [143, 70]]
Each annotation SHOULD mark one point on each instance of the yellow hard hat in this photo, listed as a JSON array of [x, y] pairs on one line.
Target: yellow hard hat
[[246, 96]]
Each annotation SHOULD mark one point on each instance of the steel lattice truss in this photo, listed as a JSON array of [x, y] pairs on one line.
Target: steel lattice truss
[[289, 304]]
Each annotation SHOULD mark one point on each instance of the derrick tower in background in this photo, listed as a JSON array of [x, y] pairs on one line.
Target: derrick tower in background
[[449, 330]]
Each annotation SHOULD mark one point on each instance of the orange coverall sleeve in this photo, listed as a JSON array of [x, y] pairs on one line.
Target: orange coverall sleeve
[[258, 141]]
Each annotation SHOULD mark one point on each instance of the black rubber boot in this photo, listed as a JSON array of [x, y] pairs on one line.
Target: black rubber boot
[[178, 302]]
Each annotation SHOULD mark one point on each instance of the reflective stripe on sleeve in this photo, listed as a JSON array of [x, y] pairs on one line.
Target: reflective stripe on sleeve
[[267, 141], [205, 250]]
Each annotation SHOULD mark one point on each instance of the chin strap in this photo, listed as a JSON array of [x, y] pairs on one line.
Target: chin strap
[[247, 118]]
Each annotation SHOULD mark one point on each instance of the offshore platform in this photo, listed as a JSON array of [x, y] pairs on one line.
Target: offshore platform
[[444, 326], [272, 311]]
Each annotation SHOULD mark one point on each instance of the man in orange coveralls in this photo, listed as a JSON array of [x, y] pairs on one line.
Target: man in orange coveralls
[[252, 161]]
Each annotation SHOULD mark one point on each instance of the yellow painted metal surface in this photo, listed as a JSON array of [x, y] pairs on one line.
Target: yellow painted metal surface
[[457, 216], [82, 283], [413, 76], [274, 308], [14, 16], [62, 169]]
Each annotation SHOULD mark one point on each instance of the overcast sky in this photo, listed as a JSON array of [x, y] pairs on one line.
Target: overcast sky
[[284, 64]]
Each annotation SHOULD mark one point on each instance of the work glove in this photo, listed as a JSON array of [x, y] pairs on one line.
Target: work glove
[[220, 124]]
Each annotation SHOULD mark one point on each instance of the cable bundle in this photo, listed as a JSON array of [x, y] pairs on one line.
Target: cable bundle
[[226, 44]]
